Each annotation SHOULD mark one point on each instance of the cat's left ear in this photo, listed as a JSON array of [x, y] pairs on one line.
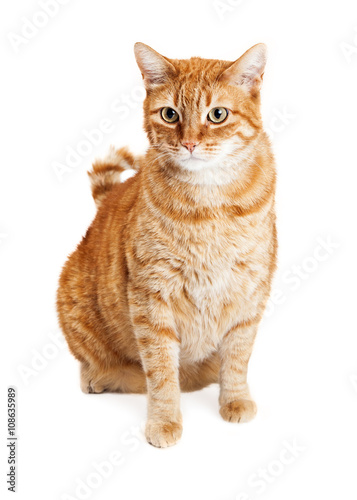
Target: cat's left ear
[[154, 67], [248, 70]]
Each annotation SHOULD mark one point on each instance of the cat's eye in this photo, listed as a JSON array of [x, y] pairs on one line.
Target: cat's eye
[[169, 115], [217, 115]]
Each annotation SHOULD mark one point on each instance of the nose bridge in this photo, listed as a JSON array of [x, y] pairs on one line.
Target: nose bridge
[[189, 134], [191, 126]]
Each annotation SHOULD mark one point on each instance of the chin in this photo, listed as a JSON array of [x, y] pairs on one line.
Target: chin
[[216, 171], [194, 164]]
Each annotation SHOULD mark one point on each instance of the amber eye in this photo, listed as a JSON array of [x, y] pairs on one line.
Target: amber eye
[[169, 115], [217, 115]]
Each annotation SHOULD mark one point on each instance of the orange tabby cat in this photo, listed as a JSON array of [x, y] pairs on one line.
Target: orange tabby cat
[[166, 289]]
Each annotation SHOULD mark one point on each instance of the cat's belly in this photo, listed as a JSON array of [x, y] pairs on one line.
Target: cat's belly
[[209, 305], [198, 338]]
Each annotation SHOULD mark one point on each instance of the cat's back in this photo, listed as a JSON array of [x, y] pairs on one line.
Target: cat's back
[[105, 231], [110, 221]]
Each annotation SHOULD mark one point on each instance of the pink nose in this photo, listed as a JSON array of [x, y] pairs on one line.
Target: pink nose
[[190, 145]]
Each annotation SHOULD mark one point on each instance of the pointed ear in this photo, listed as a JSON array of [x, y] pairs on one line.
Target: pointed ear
[[248, 70], [154, 67]]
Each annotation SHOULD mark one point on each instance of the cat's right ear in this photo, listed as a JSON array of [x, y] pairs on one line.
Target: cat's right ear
[[154, 67]]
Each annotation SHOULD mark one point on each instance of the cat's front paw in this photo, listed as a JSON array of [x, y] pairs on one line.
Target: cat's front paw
[[163, 434], [241, 410]]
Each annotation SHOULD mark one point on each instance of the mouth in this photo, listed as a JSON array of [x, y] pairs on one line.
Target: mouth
[[193, 157], [193, 162]]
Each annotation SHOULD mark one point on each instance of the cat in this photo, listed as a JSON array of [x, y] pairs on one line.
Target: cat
[[166, 290]]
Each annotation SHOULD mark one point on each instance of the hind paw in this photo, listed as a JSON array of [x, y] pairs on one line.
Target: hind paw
[[91, 387], [88, 385]]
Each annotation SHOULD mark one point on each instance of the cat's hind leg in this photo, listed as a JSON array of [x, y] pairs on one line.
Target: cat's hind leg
[[126, 377], [194, 377], [89, 380]]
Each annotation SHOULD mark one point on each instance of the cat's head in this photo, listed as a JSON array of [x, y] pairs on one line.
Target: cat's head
[[201, 113]]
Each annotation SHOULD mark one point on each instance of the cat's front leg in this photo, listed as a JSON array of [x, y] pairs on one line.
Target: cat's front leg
[[235, 350], [159, 351]]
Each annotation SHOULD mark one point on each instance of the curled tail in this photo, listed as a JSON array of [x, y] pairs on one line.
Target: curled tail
[[106, 173]]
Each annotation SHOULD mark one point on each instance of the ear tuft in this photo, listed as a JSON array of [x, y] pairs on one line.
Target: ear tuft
[[248, 70], [154, 67]]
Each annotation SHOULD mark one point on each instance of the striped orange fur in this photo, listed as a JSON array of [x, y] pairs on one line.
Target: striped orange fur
[[167, 288]]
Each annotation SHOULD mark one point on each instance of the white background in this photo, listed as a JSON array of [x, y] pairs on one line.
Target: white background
[[303, 373]]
